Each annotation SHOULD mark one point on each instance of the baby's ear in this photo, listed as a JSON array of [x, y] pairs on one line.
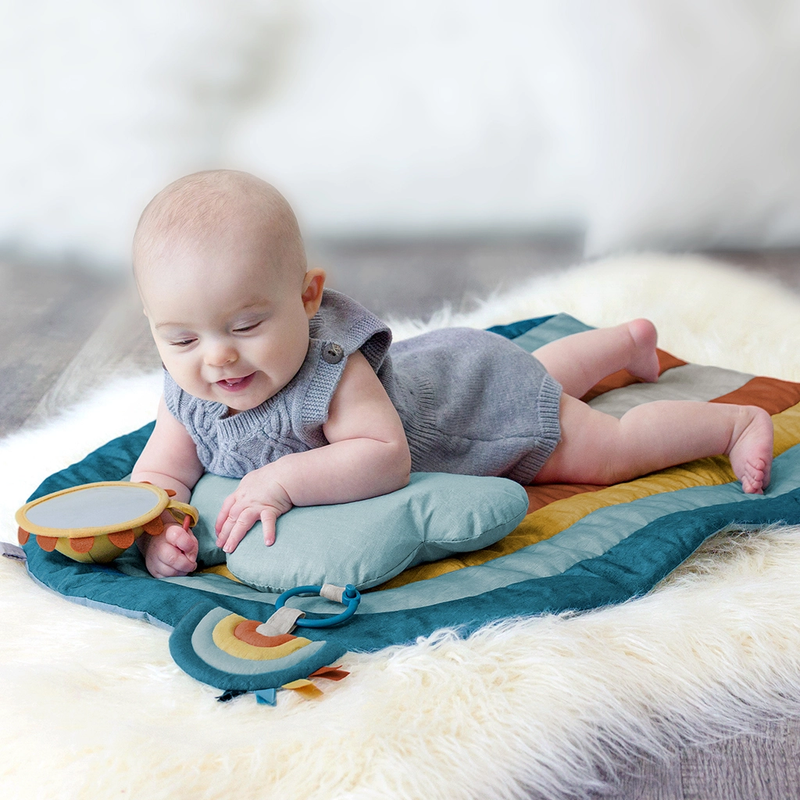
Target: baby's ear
[[313, 284]]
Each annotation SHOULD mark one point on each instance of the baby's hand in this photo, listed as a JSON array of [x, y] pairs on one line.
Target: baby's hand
[[257, 497], [171, 554]]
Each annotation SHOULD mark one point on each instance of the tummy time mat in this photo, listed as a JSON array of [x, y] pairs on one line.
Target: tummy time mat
[[578, 548]]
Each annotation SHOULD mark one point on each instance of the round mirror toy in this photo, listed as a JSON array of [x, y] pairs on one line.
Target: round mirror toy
[[96, 522]]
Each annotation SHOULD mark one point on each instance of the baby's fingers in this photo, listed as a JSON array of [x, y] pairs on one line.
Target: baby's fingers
[[165, 560], [171, 564], [183, 540], [223, 513], [226, 526], [237, 531], [269, 518]]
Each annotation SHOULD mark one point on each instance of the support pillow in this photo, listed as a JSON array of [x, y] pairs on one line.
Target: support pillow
[[367, 542]]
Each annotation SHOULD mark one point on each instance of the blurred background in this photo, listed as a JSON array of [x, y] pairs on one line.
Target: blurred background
[[433, 150], [668, 124]]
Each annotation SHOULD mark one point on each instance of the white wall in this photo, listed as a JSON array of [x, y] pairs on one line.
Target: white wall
[[661, 123]]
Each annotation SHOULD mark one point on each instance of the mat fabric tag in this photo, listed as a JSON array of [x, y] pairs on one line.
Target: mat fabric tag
[[330, 673], [12, 551], [230, 694], [267, 697], [304, 688]]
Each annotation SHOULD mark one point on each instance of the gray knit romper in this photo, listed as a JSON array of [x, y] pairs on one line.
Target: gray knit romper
[[471, 402]]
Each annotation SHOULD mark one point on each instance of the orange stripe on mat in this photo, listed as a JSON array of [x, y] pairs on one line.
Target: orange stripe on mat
[[623, 378], [771, 394]]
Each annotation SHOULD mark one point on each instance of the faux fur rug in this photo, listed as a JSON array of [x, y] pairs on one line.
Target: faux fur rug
[[92, 705]]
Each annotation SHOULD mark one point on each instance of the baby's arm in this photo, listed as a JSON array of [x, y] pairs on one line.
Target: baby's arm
[[169, 460], [367, 456]]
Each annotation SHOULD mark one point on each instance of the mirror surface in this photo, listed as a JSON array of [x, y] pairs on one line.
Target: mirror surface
[[94, 507]]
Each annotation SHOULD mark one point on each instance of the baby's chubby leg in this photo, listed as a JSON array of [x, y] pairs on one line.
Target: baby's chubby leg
[[581, 360], [598, 448], [171, 554]]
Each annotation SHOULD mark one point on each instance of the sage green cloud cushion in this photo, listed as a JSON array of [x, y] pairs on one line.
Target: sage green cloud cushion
[[367, 542]]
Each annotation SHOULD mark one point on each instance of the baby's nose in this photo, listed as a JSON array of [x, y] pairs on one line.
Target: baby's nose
[[217, 355]]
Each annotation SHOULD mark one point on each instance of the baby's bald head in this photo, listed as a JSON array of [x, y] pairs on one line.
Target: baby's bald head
[[207, 209]]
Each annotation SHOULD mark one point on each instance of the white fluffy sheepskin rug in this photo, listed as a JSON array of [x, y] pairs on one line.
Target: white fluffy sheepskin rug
[[92, 705]]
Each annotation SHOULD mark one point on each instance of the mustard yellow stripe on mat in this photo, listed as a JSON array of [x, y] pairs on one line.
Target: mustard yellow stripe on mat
[[557, 516], [218, 569]]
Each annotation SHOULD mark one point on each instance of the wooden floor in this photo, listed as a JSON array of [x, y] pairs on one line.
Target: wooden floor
[[64, 332]]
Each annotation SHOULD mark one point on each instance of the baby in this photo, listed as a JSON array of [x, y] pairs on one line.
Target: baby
[[297, 391]]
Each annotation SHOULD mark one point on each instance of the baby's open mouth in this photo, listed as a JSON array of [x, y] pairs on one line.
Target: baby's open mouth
[[236, 384]]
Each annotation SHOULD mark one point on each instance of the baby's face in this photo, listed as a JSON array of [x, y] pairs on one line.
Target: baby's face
[[229, 327]]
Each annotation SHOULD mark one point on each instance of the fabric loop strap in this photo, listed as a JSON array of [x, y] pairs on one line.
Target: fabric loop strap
[[331, 592], [284, 620]]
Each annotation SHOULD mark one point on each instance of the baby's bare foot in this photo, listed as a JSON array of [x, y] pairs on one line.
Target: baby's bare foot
[[644, 362], [750, 449]]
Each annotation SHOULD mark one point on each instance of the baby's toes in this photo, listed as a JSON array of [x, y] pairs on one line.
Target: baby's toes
[[753, 481]]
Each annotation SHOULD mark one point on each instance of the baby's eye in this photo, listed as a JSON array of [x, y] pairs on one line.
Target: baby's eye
[[245, 328], [182, 343]]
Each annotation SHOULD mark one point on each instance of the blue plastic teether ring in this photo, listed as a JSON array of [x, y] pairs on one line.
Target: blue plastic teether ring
[[351, 597]]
